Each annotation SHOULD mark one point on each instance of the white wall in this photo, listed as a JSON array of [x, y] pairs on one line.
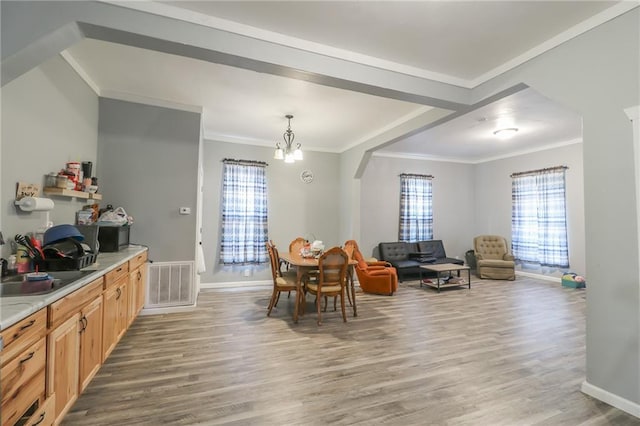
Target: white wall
[[295, 208], [453, 202], [49, 117], [493, 197]]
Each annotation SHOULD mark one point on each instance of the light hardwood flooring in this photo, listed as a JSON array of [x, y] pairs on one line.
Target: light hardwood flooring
[[502, 353]]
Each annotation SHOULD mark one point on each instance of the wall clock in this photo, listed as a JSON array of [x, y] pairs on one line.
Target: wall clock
[[306, 176]]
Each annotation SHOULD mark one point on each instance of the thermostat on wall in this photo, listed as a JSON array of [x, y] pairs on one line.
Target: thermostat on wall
[[306, 176]]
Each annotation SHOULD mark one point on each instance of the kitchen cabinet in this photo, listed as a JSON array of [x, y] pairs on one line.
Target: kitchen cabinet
[[137, 282], [62, 365], [90, 342], [72, 351], [45, 415], [22, 371], [116, 309], [49, 357]]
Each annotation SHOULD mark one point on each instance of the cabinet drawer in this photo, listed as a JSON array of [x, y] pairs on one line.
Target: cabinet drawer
[[62, 309], [45, 415], [113, 276], [22, 368], [23, 334], [16, 406], [137, 261]]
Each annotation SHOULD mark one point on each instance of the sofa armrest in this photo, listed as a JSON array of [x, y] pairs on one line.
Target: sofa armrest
[[508, 257], [379, 263], [479, 256], [374, 268]]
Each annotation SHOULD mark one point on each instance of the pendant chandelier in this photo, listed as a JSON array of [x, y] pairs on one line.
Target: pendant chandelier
[[289, 153]]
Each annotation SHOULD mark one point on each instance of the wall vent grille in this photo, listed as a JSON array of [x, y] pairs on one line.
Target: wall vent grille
[[170, 284]]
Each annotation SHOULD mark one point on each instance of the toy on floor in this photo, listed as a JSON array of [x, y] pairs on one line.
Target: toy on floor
[[573, 280]]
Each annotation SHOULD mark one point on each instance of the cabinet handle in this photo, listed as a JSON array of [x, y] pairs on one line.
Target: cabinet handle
[[119, 269], [119, 293], [84, 323], [40, 419], [139, 274], [23, 328], [31, 354]]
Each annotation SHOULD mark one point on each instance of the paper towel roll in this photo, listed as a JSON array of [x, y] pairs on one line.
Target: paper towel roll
[[30, 204]]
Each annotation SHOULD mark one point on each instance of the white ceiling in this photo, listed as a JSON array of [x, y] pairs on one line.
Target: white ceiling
[[455, 42]]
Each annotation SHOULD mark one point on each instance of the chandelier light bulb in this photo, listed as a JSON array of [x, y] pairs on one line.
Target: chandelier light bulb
[[287, 152]]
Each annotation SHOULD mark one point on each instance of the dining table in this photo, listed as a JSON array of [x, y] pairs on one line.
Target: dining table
[[306, 264]]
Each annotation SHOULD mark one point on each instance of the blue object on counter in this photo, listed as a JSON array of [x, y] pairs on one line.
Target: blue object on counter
[[60, 232]]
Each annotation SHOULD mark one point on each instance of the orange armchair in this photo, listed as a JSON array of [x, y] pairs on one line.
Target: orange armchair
[[374, 277]]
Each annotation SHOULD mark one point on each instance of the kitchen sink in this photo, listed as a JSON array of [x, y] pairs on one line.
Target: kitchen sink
[[17, 286]]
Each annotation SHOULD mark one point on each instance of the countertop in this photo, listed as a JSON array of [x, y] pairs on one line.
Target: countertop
[[15, 308]]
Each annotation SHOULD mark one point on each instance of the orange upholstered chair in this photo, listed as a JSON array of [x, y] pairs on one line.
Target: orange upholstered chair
[[374, 277]]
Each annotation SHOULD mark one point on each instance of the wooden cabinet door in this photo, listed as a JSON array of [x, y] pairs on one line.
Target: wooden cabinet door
[[123, 308], [62, 365], [137, 280], [109, 321], [90, 342]]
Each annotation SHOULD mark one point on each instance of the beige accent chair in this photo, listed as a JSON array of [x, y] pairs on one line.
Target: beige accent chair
[[493, 258]]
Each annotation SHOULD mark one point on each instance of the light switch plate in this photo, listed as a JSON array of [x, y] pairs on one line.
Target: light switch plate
[[185, 210]]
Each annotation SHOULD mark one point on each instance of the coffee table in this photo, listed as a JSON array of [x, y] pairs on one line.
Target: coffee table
[[445, 267]]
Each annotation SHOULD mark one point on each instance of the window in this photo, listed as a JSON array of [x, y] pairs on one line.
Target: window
[[538, 217], [244, 212], [416, 210]]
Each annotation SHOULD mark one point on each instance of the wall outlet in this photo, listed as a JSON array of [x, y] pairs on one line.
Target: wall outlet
[[185, 210]]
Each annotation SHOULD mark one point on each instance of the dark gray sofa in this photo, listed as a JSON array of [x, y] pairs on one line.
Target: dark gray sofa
[[407, 257]]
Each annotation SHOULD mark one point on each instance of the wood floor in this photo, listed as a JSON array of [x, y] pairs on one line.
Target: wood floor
[[502, 353]]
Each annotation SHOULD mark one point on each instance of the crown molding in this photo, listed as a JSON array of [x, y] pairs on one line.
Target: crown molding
[[318, 48], [575, 31], [475, 161], [139, 99], [80, 71], [400, 121]]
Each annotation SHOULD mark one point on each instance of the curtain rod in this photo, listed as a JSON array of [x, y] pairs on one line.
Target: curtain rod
[[415, 175], [244, 162], [531, 172]]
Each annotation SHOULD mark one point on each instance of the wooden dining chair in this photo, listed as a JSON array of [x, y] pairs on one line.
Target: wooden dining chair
[[295, 247], [280, 282], [332, 278]]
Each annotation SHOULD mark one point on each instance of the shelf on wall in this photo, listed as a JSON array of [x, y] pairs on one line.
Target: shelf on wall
[[71, 193]]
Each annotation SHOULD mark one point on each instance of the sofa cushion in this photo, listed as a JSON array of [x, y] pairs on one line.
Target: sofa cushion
[[422, 258], [496, 263], [432, 248], [396, 250], [403, 264]]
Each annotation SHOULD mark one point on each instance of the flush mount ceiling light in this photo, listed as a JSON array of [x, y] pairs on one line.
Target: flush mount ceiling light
[[288, 152], [506, 133]]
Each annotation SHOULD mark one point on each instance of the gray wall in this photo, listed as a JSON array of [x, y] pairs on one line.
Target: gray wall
[[596, 74], [49, 117], [453, 202], [493, 197], [148, 160], [295, 208]]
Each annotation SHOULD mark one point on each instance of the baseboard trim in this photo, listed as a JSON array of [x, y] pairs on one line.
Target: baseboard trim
[[539, 276], [237, 284], [167, 310], [611, 399]]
